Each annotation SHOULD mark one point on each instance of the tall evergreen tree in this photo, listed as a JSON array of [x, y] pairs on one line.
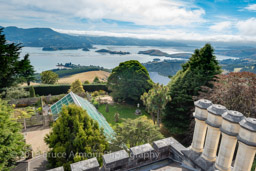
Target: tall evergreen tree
[[26, 70], [12, 70], [12, 143], [129, 81], [74, 137], [199, 71]]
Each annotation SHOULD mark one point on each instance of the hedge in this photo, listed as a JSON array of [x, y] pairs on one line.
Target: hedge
[[44, 90]]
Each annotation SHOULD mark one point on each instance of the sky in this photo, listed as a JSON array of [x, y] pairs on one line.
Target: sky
[[203, 20]]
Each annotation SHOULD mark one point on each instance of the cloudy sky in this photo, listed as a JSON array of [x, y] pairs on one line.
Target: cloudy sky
[[207, 20]]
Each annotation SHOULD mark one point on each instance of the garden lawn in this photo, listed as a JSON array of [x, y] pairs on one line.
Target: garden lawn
[[125, 111]]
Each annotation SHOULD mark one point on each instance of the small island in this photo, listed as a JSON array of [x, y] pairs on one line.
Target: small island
[[112, 52], [155, 52], [55, 48]]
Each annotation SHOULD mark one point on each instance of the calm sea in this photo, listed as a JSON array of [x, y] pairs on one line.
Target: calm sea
[[45, 60]]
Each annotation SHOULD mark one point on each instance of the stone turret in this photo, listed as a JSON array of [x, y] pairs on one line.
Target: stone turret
[[214, 121], [229, 130], [247, 145], [200, 125]]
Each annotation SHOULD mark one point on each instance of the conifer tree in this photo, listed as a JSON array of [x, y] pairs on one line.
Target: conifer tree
[[96, 80], [32, 91], [199, 71], [12, 143], [74, 137], [77, 88], [12, 69]]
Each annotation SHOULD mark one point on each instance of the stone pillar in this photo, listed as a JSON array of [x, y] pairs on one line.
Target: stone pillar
[[200, 125], [247, 145], [214, 121], [229, 129]]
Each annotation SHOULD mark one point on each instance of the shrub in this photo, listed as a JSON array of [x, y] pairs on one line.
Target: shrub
[[15, 93], [32, 91]]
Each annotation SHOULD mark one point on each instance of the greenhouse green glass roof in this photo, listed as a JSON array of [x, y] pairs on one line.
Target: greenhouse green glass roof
[[72, 98]]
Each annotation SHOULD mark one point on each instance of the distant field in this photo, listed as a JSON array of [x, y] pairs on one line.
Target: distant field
[[89, 76]]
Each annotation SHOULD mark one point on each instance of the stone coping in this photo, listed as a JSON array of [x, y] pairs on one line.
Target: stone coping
[[115, 156], [203, 103], [85, 164], [217, 109], [249, 124], [141, 149], [233, 116], [163, 143], [57, 169]]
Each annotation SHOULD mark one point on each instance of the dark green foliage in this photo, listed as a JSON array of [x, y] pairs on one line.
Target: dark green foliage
[[155, 101], [198, 71], [129, 81], [96, 80], [135, 132], [49, 77], [45, 90], [107, 108], [26, 70], [76, 136], [86, 82], [12, 69], [32, 91], [12, 143]]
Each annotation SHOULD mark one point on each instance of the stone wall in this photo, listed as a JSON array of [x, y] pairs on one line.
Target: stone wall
[[37, 120], [136, 157]]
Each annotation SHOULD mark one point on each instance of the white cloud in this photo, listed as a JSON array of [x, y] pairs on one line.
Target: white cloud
[[221, 27], [140, 12], [251, 7], [168, 34], [247, 27]]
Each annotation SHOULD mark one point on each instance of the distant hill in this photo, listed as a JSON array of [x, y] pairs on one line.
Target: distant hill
[[44, 37], [155, 52], [165, 68], [52, 40], [241, 52]]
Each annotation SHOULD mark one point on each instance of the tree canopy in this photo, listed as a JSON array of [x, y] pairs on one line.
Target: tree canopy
[[74, 137], [155, 101], [200, 70], [77, 88], [12, 69], [12, 143], [129, 81], [135, 132], [49, 77], [236, 91]]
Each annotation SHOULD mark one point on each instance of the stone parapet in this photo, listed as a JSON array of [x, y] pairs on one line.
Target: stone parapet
[[86, 165]]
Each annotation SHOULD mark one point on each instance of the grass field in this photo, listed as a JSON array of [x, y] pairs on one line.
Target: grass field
[[125, 111], [85, 76]]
